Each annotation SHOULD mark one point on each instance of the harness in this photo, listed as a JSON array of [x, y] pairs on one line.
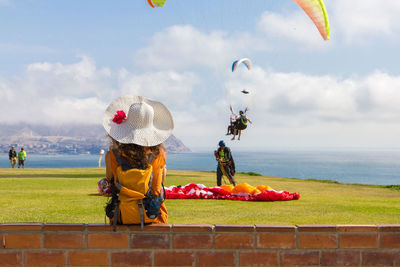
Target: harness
[[243, 120]]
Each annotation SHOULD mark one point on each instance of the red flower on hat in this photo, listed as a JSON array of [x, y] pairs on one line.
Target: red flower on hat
[[119, 117]]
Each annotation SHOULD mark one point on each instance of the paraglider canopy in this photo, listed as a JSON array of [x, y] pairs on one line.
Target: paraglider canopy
[[316, 10], [156, 3], [245, 92], [245, 62]]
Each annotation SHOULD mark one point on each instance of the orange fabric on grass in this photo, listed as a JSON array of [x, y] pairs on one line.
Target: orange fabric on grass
[[264, 187], [227, 187], [245, 188]]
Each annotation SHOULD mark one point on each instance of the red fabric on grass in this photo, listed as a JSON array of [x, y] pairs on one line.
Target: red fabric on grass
[[199, 191]]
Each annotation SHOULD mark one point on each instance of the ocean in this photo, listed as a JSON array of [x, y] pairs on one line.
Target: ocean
[[361, 167]]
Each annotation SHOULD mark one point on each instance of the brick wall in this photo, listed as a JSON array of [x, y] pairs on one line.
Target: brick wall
[[199, 245]]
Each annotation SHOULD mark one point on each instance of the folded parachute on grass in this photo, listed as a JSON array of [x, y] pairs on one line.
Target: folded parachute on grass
[[242, 191]]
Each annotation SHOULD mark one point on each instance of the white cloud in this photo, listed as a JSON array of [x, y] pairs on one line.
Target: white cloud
[[284, 107], [355, 21], [56, 93], [180, 47], [295, 26], [188, 70], [173, 87], [360, 20], [297, 99]]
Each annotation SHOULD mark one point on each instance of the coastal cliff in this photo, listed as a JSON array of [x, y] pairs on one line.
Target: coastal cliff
[[64, 139]]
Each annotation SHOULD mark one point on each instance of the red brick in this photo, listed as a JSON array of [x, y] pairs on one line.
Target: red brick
[[340, 258], [234, 241], [10, 258], [275, 228], [108, 240], [150, 241], [357, 228], [193, 241], [21, 227], [173, 258], [381, 258], [88, 258], [208, 228], [234, 228], [23, 240], [317, 241], [68, 240], [389, 227], [45, 258], [390, 240], [155, 227], [299, 258], [278, 240], [132, 258], [316, 228], [101, 227], [64, 227], [258, 258], [359, 241], [216, 259]]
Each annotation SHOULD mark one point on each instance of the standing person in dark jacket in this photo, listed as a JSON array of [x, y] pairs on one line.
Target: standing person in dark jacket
[[226, 165], [12, 155]]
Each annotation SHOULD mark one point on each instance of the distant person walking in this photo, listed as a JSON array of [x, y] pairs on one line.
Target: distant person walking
[[12, 155], [21, 158]]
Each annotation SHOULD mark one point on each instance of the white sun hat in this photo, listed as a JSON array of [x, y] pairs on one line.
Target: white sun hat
[[138, 120]]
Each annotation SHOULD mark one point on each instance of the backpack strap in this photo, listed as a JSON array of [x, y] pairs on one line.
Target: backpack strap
[[140, 202], [150, 157], [141, 212], [115, 195], [116, 211]]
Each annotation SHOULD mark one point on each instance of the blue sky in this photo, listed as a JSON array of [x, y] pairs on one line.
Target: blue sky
[[65, 61]]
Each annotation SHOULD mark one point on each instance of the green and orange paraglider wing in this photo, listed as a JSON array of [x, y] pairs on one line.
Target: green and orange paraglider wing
[[316, 10], [156, 3]]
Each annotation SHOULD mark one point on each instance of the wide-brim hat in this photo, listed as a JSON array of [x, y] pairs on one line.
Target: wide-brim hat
[[138, 120]]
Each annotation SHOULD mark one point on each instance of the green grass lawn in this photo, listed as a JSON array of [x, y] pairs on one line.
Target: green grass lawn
[[70, 196]]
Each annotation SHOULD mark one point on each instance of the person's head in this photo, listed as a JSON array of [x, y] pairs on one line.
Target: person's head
[[221, 143], [12, 148], [136, 123], [241, 112], [22, 149]]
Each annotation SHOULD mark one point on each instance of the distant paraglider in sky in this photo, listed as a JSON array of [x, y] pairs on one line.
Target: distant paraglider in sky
[[156, 3], [245, 61], [316, 10], [239, 122]]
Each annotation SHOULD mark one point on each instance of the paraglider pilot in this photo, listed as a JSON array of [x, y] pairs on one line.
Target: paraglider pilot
[[226, 165], [240, 124]]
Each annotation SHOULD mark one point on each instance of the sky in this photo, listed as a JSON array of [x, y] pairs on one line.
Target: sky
[[66, 61]]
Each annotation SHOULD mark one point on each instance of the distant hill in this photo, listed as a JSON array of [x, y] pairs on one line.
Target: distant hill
[[64, 139]]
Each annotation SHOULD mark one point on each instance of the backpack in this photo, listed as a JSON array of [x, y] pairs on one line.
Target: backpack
[[132, 201]]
